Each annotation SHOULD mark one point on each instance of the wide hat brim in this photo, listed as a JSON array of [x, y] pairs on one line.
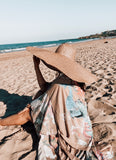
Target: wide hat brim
[[70, 68]]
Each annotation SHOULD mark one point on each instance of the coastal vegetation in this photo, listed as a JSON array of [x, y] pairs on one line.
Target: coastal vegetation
[[104, 34]]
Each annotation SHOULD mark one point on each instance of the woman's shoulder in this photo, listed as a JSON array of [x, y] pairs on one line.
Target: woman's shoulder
[[58, 89], [57, 86]]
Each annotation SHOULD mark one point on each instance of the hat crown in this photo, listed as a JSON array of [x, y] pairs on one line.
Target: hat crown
[[67, 50]]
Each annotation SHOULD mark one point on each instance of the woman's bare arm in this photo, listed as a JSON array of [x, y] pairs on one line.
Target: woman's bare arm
[[41, 81], [17, 119]]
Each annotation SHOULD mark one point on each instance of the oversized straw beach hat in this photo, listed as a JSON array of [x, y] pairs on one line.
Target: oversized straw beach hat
[[64, 60]]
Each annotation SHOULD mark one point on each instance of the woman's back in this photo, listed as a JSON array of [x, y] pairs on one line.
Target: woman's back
[[62, 112]]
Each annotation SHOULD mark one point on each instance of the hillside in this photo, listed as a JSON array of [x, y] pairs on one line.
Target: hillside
[[101, 35]]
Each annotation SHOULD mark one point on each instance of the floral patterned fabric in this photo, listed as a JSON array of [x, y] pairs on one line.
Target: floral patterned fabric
[[62, 122]]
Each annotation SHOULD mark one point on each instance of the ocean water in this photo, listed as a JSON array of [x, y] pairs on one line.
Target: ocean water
[[22, 46]]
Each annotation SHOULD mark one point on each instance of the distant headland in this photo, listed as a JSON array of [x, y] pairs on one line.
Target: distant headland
[[104, 34]]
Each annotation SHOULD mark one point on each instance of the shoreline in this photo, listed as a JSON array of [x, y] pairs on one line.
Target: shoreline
[[16, 54], [34, 44]]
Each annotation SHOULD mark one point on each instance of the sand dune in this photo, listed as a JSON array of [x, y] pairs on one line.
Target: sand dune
[[18, 85]]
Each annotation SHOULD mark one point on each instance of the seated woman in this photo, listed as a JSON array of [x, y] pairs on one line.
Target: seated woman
[[60, 112]]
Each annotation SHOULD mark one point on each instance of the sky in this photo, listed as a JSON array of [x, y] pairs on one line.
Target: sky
[[47, 20]]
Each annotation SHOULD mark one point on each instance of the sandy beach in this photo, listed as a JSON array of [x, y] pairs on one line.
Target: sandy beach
[[18, 85]]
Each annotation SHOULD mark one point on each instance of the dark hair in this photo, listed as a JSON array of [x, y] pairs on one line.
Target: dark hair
[[82, 86]]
